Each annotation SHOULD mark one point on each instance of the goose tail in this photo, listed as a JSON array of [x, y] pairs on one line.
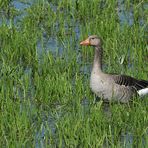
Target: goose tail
[[143, 92]]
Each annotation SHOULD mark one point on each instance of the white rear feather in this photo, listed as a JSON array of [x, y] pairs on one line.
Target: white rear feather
[[143, 92]]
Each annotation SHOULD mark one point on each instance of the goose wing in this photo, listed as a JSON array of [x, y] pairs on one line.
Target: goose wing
[[130, 82]]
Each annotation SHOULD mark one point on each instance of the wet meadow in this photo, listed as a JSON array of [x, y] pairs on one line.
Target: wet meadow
[[45, 99]]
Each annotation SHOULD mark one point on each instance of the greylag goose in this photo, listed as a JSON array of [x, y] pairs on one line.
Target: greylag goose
[[109, 87]]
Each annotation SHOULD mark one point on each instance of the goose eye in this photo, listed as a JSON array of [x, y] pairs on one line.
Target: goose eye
[[92, 38]]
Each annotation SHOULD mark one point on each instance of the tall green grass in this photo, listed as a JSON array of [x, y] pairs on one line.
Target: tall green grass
[[44, 90]]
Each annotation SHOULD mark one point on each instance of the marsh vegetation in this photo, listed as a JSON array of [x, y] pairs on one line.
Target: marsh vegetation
[[45, 99]]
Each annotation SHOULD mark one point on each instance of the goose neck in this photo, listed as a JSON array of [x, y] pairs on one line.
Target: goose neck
[[97, 64]]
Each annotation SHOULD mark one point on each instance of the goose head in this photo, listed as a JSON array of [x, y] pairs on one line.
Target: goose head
[[92, 40]]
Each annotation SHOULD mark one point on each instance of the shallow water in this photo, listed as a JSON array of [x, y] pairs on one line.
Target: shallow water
[[55, 45]]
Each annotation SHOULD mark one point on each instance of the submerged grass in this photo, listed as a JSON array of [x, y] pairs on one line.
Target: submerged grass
[[44, 79]]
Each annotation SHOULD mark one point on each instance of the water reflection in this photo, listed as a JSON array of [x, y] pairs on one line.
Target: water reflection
[[125, 16], [55, 45], [19, 7]]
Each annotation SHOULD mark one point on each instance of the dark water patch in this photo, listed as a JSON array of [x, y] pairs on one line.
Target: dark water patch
[[21, 8], [127, 16], [48, 44], [53, 6], [53, 44], [129, 140], [14, 12], [21, 5], [58, 42]]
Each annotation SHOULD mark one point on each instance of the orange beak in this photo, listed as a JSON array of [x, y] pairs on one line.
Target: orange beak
[[85, 42]]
